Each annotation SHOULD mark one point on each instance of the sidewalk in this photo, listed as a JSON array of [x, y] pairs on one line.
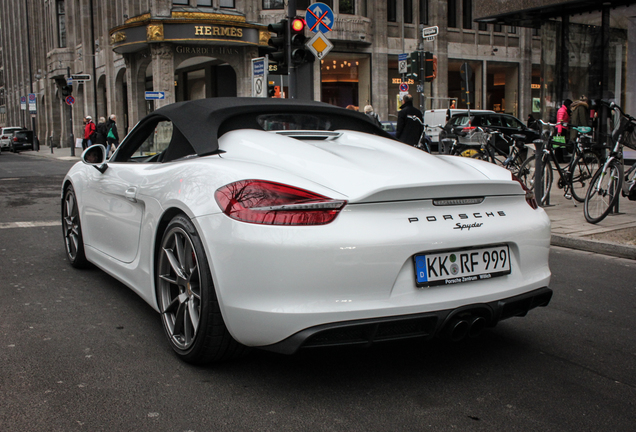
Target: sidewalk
[[569, 227]]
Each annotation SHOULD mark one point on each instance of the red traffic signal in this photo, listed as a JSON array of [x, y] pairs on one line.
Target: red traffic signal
[[298, 24]]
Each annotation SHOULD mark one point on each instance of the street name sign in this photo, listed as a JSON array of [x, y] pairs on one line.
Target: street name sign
[[430, 32], [32, 103], [155, 95], [81, 77], [402, 59]]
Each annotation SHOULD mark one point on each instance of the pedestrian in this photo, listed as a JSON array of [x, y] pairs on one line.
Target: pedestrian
[[100, 132], [580, 115], [112, 137], [375, 118], [532, 123], [89, 132], [563, 117], [409, 130]]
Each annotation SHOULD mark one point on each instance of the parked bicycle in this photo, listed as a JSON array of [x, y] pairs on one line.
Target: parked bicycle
[[574, 177], [425, 141], [609, 182], [489, 151]]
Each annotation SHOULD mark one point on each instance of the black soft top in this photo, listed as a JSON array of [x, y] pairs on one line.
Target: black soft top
[[202, 122]]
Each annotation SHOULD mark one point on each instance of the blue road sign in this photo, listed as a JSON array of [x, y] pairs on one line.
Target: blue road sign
[[404, 87], [70, 100], [155, 95], [319, 18], [32, 103]]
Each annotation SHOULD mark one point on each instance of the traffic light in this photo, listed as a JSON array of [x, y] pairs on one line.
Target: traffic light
[[278, 56], [413, 65], [67, 90], [299, 52], [429, 67]]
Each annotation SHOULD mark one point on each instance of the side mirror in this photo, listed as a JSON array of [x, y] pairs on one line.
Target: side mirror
[[95, 155]]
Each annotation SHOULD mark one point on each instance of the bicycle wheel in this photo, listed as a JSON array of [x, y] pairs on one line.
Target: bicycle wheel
[[603, 192], [526, 174], [585, 166], [479, 154]]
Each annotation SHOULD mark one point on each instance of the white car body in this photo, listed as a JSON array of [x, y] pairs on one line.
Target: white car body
[[276, 282]]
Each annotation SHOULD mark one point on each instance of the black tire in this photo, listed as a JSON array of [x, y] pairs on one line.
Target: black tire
[[585, 166], [72, 230], [603, 193], [480, 155], [190, 311], [526, 174]]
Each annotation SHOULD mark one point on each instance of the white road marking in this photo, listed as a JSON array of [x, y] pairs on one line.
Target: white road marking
[[5, 225]]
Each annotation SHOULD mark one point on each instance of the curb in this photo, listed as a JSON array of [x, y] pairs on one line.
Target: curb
[[612, 249]]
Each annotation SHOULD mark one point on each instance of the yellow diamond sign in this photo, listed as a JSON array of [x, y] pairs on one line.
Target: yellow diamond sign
[[319, 45]]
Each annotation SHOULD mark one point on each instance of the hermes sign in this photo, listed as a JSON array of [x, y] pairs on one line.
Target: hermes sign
[[202, 30]]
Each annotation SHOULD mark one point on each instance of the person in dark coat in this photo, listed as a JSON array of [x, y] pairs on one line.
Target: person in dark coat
[[112, 137], [101, 132], [409, 130]]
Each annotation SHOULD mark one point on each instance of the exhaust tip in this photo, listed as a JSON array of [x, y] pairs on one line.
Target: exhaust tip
[[477, 325], [457, 329]]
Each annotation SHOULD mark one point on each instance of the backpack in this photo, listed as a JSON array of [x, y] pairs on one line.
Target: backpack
[[111, 135]]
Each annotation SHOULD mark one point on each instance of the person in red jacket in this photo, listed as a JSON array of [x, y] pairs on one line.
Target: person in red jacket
[[89, 132], [563, 117]]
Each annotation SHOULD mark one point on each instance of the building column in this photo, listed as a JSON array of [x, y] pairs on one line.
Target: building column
[[163, 72]]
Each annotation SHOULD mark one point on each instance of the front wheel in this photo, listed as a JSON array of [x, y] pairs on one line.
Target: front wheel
[[585, 166], [72, 230], [527, 176], [603, 193], [190, 311]]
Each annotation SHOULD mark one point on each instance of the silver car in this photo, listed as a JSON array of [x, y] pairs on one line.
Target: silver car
[[6, 136]]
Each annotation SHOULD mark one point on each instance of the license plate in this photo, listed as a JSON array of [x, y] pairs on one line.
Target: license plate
[[459, 266]]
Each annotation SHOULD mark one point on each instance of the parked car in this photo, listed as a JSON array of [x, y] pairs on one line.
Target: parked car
[[436, 119], [505, 123], [6, 136], [389, 127], [283, 224], [22, 140]]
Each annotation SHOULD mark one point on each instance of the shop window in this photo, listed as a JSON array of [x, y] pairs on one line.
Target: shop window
[[452, 13], [408, 11], [273, 4], [181, 2], [497, 28], [391, 11], [204, 2], [512, 30], [483, 26], [467, 12], [228, 4], [347, 7], [304, 4], [61, 24], [346, 79], [424, 12]]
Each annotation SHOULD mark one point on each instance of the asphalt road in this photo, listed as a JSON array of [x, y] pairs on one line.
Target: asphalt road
[[81, 352]]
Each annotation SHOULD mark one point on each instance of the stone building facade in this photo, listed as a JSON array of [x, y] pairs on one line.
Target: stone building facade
[[192, 49]]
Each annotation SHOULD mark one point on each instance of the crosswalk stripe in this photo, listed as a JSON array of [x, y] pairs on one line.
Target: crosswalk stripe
[[6, 225]]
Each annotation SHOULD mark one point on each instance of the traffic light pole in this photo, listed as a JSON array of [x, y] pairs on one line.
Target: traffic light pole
[[291, 68], [70, 116]]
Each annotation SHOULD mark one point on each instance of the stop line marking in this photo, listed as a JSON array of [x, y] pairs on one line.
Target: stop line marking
[[6, 225]]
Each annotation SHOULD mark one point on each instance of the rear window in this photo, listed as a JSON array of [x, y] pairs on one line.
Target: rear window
[[459, 120], [276, 122]]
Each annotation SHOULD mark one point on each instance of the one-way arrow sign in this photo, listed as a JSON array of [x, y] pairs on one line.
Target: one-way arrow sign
[[155, 95]]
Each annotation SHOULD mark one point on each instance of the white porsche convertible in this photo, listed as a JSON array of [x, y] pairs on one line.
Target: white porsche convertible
[[288, 225]]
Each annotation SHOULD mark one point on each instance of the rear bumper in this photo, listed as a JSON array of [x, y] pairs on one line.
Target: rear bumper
[[422, 326], [22, 146]]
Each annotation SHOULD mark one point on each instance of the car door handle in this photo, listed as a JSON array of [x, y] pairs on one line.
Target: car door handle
[[131, 194]]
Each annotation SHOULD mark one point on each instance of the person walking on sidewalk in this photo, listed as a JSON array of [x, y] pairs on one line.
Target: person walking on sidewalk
[[101, 132], [89, 132], [112, 137], [409, 130]]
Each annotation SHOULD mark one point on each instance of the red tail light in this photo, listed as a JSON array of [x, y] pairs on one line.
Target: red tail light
[[269, 203], [15, 139], [469, 128], [530, 199]]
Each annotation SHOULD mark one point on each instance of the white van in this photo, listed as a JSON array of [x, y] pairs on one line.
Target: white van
[[437, 118]]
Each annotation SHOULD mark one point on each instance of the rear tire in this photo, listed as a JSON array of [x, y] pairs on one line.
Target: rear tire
[[603, 193], [187, 300], [584, 169]]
